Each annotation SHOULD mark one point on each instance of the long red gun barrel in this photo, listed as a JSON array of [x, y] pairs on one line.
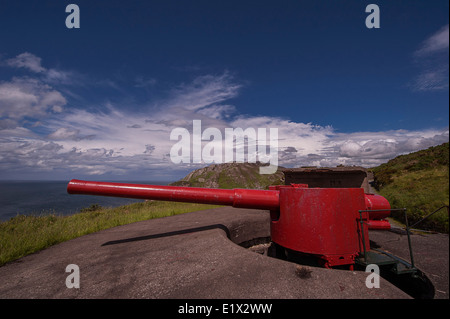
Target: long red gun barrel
[[239, 198]]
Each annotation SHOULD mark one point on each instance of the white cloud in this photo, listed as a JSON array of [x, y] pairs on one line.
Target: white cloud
[[374, 148], [218, 111], [28, 61], [432, 59], [50, 76], [64, 133], [204, 91], [436, 43], [23, 97], [54, 76], [432, 79]]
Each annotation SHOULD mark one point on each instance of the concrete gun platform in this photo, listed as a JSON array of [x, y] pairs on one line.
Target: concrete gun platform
[[194, 255]]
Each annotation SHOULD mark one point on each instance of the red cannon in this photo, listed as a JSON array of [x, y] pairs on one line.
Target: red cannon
[[329, 223]]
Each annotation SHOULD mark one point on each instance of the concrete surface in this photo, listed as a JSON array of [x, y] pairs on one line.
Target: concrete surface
[[192, 255], [430, 254]]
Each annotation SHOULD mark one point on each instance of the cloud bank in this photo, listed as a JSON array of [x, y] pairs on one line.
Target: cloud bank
[[42, 135]]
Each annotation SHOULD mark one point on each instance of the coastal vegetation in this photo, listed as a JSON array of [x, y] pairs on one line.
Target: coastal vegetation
[[419, 182], [23, 235]]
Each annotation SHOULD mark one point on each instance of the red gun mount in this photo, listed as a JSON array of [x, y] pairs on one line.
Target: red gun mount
[[329, 223]]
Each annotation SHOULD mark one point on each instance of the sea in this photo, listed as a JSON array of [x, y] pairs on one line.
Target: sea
[[51, 197]]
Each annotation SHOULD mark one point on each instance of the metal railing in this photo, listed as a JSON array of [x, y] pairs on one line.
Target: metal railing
[[412, 226], [362, 225], [407, 228]]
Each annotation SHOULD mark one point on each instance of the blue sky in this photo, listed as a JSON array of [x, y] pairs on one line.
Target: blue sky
[[99, 102]]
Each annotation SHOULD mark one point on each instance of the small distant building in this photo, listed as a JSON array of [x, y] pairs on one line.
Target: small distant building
[[329, 177]]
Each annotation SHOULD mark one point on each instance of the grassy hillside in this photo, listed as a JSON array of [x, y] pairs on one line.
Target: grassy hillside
[[23, 235], [419, 182], [231, 175]]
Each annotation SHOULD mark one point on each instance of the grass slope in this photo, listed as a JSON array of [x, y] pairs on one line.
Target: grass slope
[[418, 182], [23, 235]]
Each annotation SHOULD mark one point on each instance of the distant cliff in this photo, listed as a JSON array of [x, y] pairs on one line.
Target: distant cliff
[[231, 175]]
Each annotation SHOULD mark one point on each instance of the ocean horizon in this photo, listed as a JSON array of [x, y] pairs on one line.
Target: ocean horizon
[[51, 197]]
